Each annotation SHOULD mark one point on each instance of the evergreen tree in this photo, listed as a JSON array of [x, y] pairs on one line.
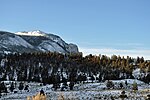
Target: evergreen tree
[[71, 85], [0, 94], [109, 84], [121, 85], [126, 83], [21, 86], [92, 78], [123, 95], [134, 86], [26, 87], [12, 87], [3, 88]]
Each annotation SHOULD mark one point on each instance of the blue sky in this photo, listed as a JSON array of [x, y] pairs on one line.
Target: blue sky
[[108, 27]]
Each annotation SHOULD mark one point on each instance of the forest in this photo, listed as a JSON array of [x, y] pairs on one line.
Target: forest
[[55, 68]]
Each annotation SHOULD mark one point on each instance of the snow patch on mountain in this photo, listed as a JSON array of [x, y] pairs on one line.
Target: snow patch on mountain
[[32, 33]]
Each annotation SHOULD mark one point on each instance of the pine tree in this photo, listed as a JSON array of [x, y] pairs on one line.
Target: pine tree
[[109, 84], [126, 83], [135, 87], [12, 87], [0, 91], [123, 95], [121, 85], [21, 86], [71, 85], [3, 88], [26, 87]]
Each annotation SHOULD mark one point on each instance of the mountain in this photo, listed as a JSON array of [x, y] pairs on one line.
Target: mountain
[[34, 41]]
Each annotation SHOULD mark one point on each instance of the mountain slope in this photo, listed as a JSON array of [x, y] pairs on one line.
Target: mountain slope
[[34, 41]]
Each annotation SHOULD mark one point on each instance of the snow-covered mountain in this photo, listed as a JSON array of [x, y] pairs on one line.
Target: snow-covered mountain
[[34, 41]]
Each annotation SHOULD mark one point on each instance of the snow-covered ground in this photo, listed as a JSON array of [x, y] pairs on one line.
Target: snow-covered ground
[[86, 91]]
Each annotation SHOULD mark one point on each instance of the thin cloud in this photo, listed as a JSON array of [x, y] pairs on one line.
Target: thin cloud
[[115, 45], [109, 52]]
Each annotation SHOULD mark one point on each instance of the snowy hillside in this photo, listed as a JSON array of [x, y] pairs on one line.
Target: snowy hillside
[[33, 41], [17, 41], [86, 91]]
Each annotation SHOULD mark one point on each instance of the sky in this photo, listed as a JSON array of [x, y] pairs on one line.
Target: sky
[[108, 27]]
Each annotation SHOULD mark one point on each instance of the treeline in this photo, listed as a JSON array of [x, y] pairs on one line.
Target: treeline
[[55, 68]]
